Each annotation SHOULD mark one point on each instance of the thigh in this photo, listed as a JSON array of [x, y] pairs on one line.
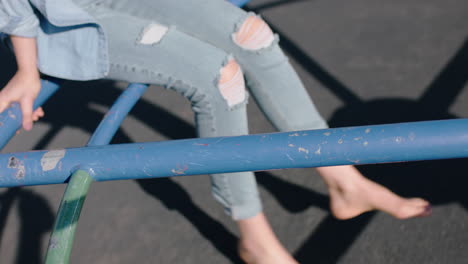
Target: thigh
[[136, 54], [210, 20], [176, 61], [272, 81]]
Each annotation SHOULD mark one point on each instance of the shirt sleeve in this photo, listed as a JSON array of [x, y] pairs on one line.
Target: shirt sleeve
[[18, 18]]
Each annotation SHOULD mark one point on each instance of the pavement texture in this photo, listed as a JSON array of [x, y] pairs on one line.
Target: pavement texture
[[363, 62]]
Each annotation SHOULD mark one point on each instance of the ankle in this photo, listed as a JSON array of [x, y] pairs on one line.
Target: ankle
[[258, 244], [250, 252], [341, 177], [257, 253]]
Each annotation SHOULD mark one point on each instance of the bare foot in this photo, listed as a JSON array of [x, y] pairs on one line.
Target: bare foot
[[351, 194], [259, 245]]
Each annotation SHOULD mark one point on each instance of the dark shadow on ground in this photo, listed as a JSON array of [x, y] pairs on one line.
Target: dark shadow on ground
[[36, 218], [292, 197], [272, 4], [174, 197]]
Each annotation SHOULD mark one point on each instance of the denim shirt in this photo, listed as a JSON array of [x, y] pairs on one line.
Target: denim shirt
[[71, 44]]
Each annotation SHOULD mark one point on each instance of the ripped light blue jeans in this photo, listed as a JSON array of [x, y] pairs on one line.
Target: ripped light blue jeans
[[195, 43]]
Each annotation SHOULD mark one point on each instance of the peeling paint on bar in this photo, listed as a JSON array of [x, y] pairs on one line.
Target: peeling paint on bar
[[50, 159], [430, 140]]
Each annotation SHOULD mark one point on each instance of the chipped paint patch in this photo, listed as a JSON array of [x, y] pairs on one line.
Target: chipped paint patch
[[319, 151], [291, 145], [221, 139], [365, 143], [180, 170], [21, 172], [340, 141], [146, 172], [14, 163], [51, 158], [91, 172], [327, 134], [368, 131], [53, 242], [294, 135], [358, 138], [303, 150], [200, 144], [11, 115], [398, 139]]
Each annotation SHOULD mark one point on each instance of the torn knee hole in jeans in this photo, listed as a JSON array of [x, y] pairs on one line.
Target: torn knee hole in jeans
[[231, 83], [152, 34], [253, 34]]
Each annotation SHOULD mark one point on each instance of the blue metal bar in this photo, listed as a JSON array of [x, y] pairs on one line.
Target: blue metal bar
[[313, 148], [111, 122], [239, 2], [10, 119], [62, 237]]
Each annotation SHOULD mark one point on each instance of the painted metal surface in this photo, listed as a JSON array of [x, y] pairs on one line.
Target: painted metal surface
[[62, 237], [61, 240], [353, 145], [10, 119], [239, 2], [119, 110]]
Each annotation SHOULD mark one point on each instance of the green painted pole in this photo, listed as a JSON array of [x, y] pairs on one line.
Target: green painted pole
[[63, 234], [61, 240]]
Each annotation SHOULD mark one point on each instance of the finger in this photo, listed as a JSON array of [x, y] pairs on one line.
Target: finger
[[38, 113], [3, 105], [26, 109]]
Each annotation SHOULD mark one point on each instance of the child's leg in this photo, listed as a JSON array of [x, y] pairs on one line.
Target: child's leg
[[278, 90], [273, 81], [147, 52], [284, 100]]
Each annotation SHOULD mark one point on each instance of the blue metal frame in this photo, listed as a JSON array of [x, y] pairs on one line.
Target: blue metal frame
[[239, 2], [10, 119], [118, 112], [62, 237], [354, 145]]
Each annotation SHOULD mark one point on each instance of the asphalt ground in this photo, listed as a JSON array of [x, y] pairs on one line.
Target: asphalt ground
[[363, 62]]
